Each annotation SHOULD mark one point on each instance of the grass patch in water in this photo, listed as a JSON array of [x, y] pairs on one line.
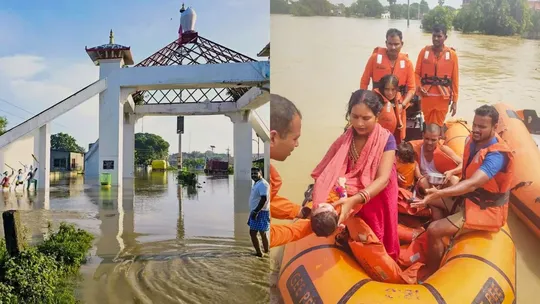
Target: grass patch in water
[[45, 273]]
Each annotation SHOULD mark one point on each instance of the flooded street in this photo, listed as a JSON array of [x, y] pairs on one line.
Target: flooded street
[[156, 242], [317, 62]]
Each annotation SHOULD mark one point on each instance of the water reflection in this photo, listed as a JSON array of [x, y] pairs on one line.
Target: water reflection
[[157, 242]]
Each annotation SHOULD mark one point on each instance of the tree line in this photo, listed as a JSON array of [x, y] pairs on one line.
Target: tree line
[[359, 8], [488, 17]]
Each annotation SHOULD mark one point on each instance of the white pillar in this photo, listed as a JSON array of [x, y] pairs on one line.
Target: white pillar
[[42, 151], [111, 123], [242, 146], [267, 161], [111, 133], [129, 145]]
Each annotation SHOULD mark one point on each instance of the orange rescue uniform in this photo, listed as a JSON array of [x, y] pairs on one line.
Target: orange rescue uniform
[[439, 77], [486, 208], [379, 65], [282, 208]]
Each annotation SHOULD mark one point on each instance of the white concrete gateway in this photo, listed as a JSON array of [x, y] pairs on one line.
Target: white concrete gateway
[[190, 76]]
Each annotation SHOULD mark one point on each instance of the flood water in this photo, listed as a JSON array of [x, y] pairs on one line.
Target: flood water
[[156, 242], [317, 62]]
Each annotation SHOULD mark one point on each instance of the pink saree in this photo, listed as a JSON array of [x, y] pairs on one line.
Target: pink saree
[[381, 212]]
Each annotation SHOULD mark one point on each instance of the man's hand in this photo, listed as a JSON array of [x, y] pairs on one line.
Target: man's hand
[[453, 108], [447, 175], [304, 213], [431, 195], [254, 215]]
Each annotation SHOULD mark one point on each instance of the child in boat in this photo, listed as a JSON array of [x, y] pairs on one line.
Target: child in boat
[[405, 165], [392, 115]]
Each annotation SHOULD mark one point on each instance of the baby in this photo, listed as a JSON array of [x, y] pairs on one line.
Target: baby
[[324, 218], [405, 165]]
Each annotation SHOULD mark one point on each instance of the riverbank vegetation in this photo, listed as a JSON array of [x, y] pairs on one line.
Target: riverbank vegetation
[[45, 273], [359, 8], [3, 124], [488, 17]]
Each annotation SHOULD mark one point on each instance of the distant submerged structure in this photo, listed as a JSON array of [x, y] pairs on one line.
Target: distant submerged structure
[[186, 30]]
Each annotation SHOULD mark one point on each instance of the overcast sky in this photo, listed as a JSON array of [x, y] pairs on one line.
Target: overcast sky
[[43, 58]]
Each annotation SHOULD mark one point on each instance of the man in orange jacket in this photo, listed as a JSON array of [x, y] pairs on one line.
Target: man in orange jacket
[[437, 78], [390, 60], [285, 130], [480, 200]]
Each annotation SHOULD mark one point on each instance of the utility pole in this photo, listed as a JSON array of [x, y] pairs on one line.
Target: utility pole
[[408, 13]]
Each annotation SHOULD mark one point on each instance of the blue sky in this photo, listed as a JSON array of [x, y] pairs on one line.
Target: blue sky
[[43, 60]]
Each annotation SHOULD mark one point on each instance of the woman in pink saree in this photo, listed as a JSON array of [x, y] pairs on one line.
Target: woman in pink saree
[[365, 156]]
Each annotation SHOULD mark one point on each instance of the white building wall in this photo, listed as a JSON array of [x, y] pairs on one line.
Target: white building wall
[[18, 151]]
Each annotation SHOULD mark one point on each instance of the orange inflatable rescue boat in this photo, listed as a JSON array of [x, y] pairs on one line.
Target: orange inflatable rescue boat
[[525, 196], [479, 267]]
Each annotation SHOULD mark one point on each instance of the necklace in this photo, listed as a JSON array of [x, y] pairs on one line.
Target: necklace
[[353, 153]]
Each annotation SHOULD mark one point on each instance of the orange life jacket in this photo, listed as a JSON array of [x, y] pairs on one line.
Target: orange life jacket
[[275, 182], [382, 67], [442, 161], [486, 208], [390, 114], [436, 73]]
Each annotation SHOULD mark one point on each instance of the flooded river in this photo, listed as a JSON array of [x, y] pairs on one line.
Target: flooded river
[[155, 242], [317, 62]]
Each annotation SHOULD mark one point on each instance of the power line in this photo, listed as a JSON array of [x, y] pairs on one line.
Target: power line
[[20, 108]]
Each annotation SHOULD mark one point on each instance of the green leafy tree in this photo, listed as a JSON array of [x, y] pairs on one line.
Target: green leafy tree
[[65, 142], [441, 2], [3, 125], [149, 147], [280, 7], [495, 17], [439, 15]]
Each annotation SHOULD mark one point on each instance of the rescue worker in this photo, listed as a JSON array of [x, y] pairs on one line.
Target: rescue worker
[[437, 78], [285, 130], [480, 200], [390, 60]]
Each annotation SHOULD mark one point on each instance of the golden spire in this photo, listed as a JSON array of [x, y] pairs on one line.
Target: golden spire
[[111, 37]]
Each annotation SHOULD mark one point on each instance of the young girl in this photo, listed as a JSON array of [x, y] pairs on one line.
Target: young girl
[[405, 165], [393, 115]]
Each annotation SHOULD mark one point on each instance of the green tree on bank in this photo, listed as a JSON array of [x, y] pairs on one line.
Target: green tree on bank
[[495, 17], [442, 15], [65, 142], [149, 147], [3, 124]]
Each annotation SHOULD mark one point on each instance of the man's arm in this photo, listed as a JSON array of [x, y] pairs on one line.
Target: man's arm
[[411, 84], [262, 201], [284, 234], [418, 68], [283, 209], [493, 163], [455, 78], [459, 161], [262, 190], [368, 72]]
